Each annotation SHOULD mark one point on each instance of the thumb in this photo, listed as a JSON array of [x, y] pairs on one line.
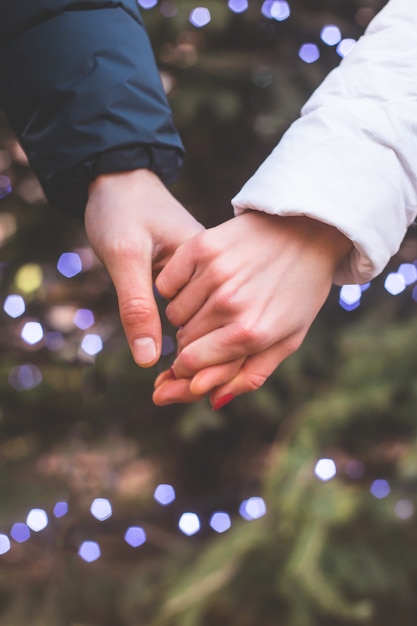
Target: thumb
[[131, 273]]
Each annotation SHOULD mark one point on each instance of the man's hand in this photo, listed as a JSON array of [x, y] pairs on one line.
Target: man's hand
[[134, 226]]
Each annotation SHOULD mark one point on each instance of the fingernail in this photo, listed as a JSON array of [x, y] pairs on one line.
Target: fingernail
[[144, 350], [171, 369], [221, 402]]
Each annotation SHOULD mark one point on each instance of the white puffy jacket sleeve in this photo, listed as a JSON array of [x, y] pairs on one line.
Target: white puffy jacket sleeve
[[350, 160]]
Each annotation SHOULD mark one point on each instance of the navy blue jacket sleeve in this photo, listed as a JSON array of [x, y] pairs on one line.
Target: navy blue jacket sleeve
[[79, 84]]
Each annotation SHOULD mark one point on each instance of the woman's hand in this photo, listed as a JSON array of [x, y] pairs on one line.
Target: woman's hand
[[244, 295], [134, 226]]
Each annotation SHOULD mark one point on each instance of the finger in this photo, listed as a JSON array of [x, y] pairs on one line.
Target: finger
[[163, 376], [212, 377], [190, 300], [131, 272], [173, 391], [255, 371], [178, 271], [231, 342]]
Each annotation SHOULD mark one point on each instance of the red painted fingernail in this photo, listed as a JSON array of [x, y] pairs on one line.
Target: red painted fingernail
[[171, 369], [221, 402]]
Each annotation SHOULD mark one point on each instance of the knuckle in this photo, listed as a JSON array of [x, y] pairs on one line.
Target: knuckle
[[255, 381], [249, 334], [226, 300], [120, 250], [186, 363], [136, 310]]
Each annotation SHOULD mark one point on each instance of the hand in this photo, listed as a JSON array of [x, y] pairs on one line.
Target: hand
[[245, 294], [134, 226]]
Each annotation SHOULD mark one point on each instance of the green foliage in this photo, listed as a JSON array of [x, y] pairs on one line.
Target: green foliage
[[326, 553]]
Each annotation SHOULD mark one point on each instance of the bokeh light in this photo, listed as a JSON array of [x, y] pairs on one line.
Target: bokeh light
[[60, 509], [14, 306], [169, 8], [84, 318], [135, 536], [29, 278], [101, 509], [380, 488], [280, 10], [147, 4], [32, 332], [252, 508], [345, 46], [168, 345], [92, 344], [89, 551], [54, 341], [5, 186], [276, 9], [20, 532], [238, 6], [354, 469], [325, 469], [199, 17], [220, 522], [409, 272], [404, 509], [69, 264], [164, 494], [394, 283], [350, 294], [4, 544], [25, 377], [189, 524], [37, 520], [330, 35], [309, 53]]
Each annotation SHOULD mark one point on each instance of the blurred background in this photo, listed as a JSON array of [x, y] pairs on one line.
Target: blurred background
[[294, 505]]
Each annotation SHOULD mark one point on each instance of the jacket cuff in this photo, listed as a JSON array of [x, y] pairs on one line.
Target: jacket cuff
[[69, 192]]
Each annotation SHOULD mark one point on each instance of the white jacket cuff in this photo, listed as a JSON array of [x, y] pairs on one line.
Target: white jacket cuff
[[351, 159]]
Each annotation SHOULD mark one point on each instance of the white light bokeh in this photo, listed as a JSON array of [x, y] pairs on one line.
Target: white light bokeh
[[101, 509], [164, 494], [238, 6], [325, 469], [220, 522], [280, 10], [330, 35], [37, 520], [189, 524], [199, 17], [4, 544], [147, 4], [32, 332], [395, 283], [350, 293], [135, 536], [92, 344], [14, 306], [252, 508], [89, 551], [345, 46], [409, 272], [84, 318]]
